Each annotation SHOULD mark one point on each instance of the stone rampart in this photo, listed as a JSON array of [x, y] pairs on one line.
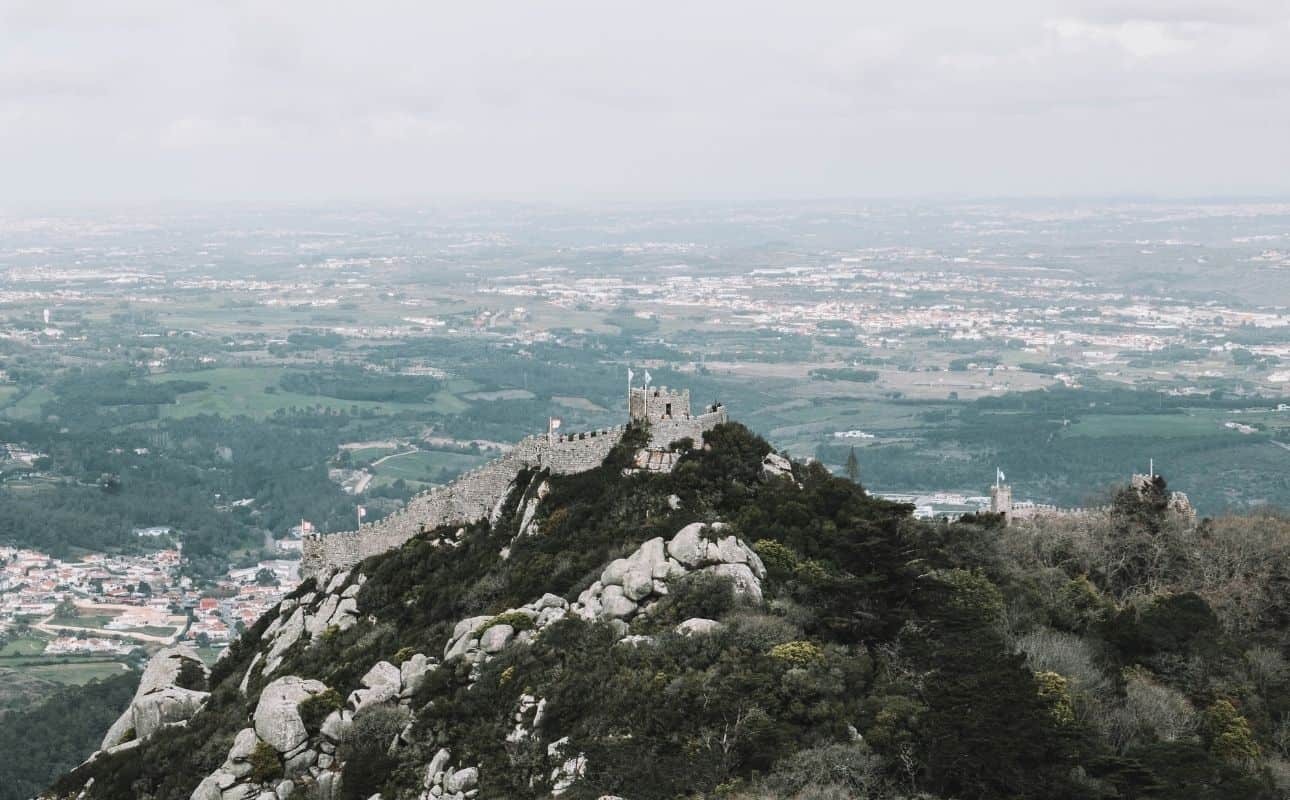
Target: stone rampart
[[481, 492], [474, 495], [669, 429]]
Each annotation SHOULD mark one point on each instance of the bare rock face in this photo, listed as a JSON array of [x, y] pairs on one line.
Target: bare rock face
[[496, 638], [689, 546], [413, 673], [627, 587], [697, 626], [776, 466], [382, 683], [277, 717], [159, 701], [309, 617], [284, 638], [169, 705], [742, 577]]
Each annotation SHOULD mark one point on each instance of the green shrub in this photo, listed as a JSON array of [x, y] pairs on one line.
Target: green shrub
[[264, 763], [516, 619], [364, 748], [192, 675], [972, 595], [701, 595], [1227, 734], [316, 708], [811, 572], [1054, 690], [1173, 623], [780, 560], [1079, 605], [798, 654]]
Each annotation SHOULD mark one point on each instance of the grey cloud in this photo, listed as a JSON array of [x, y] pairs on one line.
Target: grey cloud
[[296, 100]]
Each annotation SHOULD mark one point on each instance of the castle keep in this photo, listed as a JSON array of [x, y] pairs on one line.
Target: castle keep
[[482, 492]]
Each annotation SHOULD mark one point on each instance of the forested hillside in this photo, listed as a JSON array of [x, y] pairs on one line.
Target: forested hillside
[[38, 744], [859, 653]]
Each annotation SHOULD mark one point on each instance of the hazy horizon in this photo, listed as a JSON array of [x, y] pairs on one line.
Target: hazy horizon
[[149, 103]]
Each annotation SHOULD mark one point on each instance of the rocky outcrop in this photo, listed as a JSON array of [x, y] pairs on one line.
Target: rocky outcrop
[[443, 781], [568, 770], [312, 614], [697, 626], [277, 716], [776, 466], [632, 585], [478, 637], [304, 758], [159, 701], [627, 587], [527, 525]]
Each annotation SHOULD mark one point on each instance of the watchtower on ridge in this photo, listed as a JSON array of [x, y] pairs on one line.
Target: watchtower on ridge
[[658, 403]]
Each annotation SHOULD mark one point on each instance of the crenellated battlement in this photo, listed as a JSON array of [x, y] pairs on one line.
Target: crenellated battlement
[[481, 492]]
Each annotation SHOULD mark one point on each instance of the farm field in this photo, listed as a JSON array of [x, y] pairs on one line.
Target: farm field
[[254, 391], [26, 670], [1202, 423], [1197, 422], [426, 466], [27, 407], [75, 671], [29, 645]]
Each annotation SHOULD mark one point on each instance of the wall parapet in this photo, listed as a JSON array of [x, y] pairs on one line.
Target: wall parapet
[[480, 493]]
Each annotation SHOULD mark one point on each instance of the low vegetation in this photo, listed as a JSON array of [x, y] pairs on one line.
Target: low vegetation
[[1134, 654]]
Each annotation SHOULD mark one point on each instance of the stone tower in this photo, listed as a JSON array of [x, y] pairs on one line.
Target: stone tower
[[1001, 499], [658, 403]]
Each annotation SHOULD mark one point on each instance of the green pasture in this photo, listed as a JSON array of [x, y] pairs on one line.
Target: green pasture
[[28, 408], [1198, 423], [254, 392], [370, 453], [75, 671], [424, 465], [31, 645]]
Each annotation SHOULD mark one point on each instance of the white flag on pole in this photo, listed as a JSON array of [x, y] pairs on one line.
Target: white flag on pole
[[555, 423], [647, 378], [1002, 477], [630, 375]]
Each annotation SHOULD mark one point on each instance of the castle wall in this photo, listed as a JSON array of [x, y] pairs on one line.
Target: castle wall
[[481, 493], [474, 495], [579, 452], [665, 431]]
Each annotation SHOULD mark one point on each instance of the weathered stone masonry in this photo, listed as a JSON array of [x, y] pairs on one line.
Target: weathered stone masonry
[[481, 493]]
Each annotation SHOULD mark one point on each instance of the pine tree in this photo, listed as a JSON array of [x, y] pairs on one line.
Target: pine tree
[[853, 466]]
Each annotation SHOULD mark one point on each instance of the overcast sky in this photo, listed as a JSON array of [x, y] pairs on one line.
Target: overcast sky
[[318, 102]]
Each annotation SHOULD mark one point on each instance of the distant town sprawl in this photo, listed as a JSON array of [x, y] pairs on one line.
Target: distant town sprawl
[[111, 605], [215, 379]]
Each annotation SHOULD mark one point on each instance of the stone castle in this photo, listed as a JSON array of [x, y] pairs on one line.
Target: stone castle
[[1001, 502], [482, 492]]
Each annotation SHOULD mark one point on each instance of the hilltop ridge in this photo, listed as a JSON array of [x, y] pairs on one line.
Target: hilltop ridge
[[481, 492], [739, 627]]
